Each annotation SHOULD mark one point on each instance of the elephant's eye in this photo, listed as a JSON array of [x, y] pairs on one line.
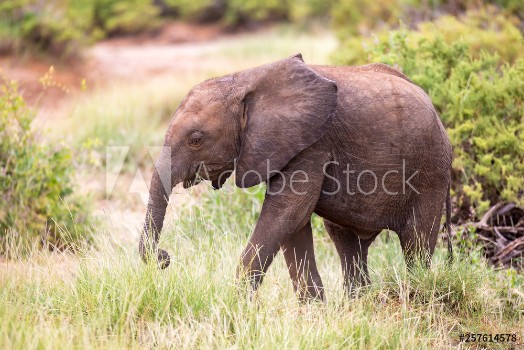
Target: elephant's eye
[[195, 139]]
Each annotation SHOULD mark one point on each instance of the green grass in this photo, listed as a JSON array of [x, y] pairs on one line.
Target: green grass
[[109, 298]]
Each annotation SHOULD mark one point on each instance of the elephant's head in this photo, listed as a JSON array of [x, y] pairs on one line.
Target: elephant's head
[[254, 121]]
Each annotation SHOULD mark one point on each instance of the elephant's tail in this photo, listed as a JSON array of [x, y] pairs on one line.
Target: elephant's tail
[[448, 224]]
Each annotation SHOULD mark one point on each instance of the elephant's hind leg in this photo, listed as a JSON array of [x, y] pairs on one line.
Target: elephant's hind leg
[[419, 234], [300, 260], [353, 252]]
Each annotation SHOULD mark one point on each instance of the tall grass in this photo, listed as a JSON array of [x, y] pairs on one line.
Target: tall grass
[[109, 298]]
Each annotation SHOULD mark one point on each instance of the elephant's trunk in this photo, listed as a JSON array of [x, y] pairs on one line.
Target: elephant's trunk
[[156, 210]]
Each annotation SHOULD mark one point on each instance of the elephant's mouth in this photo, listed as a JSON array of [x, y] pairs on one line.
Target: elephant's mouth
[[216, 173]]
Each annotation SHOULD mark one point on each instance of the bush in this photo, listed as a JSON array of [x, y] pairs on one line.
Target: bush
[[303, 10], [515, 7], [479, 94], [121, 16], [63, 27], [199, 10], [235, 12], [483, 30], [48, 27], [351, 17], [256, 10], [37, 203]]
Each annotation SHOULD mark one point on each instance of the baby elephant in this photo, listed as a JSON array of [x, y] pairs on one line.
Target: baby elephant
[[360, 146]]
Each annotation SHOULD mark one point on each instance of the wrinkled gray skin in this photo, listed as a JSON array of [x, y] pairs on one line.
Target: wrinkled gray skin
[[302, 117]]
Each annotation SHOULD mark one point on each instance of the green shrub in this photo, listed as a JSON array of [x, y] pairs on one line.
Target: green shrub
[[37, 203], [479, 95], [50, 27], [302, 10], [121, 16], [515, 7], [351, 17], [258, 10], [63, 27], [482, 30], [255, 10], [199, 10]]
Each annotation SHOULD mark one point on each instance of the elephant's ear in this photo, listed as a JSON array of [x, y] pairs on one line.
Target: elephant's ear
[[287, 107]]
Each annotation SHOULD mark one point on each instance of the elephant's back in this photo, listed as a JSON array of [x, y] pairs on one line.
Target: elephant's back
[[381, 111], [337, 72]]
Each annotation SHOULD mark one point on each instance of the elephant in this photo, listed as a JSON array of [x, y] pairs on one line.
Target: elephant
[[360, 146]]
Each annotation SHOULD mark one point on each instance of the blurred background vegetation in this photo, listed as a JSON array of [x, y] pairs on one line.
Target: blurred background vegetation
[[65, 26]]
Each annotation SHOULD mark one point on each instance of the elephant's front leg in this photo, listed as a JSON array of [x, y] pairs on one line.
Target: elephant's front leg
[[300, 261], [290, 199]]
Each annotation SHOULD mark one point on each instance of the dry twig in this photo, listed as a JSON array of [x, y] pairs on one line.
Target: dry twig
[[502, 231]]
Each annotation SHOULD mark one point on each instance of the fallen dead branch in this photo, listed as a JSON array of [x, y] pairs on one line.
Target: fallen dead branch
[[501, 230]]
